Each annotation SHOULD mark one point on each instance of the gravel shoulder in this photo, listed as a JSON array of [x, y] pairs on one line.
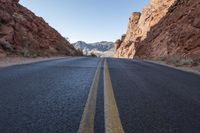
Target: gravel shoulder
[[182, 68], [10, 61]]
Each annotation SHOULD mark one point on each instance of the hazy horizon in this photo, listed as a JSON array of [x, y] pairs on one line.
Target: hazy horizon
[[89, 21]]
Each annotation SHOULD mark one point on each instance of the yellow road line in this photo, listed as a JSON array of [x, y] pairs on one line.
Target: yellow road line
[[87, 121], [112, 119]]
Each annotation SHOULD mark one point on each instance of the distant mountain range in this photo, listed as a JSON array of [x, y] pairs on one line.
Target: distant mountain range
[[101, 49]]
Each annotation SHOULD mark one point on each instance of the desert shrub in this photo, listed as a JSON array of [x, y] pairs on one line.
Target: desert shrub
[[79, 52], [173, 60], [61, 47], [93, 55], [176, 61], [185, 62], [194, 64], [6, 46], [31, 53], [25, 52], [163, 58], [19, 17]]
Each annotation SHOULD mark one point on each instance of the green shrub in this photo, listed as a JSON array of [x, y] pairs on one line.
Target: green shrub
[[25, 52]]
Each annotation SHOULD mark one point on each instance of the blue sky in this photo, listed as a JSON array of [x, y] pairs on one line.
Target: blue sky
[[86, 20]]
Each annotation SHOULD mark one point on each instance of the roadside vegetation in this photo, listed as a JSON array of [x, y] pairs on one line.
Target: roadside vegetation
[[93, 55], [179, 62]]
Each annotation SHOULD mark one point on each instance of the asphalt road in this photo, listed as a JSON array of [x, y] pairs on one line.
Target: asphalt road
[[45, 97], [51, 96], [155, 99]]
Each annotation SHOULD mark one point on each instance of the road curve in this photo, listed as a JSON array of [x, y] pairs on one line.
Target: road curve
[[59, 96]]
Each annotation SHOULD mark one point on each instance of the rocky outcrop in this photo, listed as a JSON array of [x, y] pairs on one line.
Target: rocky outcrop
[[178, 33], [23, 33], [139, 25], [165, 28]]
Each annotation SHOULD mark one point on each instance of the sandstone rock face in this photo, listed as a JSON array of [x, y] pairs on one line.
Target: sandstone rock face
[[178, 33], [23, 33], [139, 25]]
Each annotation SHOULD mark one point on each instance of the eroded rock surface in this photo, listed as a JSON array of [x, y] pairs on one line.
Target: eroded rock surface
[[23, 33], [139, 25], [177, 34]]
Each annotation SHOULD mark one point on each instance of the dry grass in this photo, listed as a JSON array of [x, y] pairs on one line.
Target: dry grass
[[179, 62]]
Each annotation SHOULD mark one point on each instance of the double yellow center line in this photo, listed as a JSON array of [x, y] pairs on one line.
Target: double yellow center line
[[112, 119]]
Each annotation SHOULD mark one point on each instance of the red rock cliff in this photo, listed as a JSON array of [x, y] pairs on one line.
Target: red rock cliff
[[178, 33], [23, 33], [150, 32]]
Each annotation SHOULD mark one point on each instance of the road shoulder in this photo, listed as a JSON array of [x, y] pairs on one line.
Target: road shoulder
[[11, 61], [185, 69]]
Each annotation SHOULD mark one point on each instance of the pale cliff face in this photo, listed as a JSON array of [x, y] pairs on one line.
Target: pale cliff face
[[140, 24]]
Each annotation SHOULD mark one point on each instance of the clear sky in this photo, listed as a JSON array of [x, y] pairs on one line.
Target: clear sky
[[86, 20]]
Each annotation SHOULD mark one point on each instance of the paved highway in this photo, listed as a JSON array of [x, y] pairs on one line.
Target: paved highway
[[87, 95]]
